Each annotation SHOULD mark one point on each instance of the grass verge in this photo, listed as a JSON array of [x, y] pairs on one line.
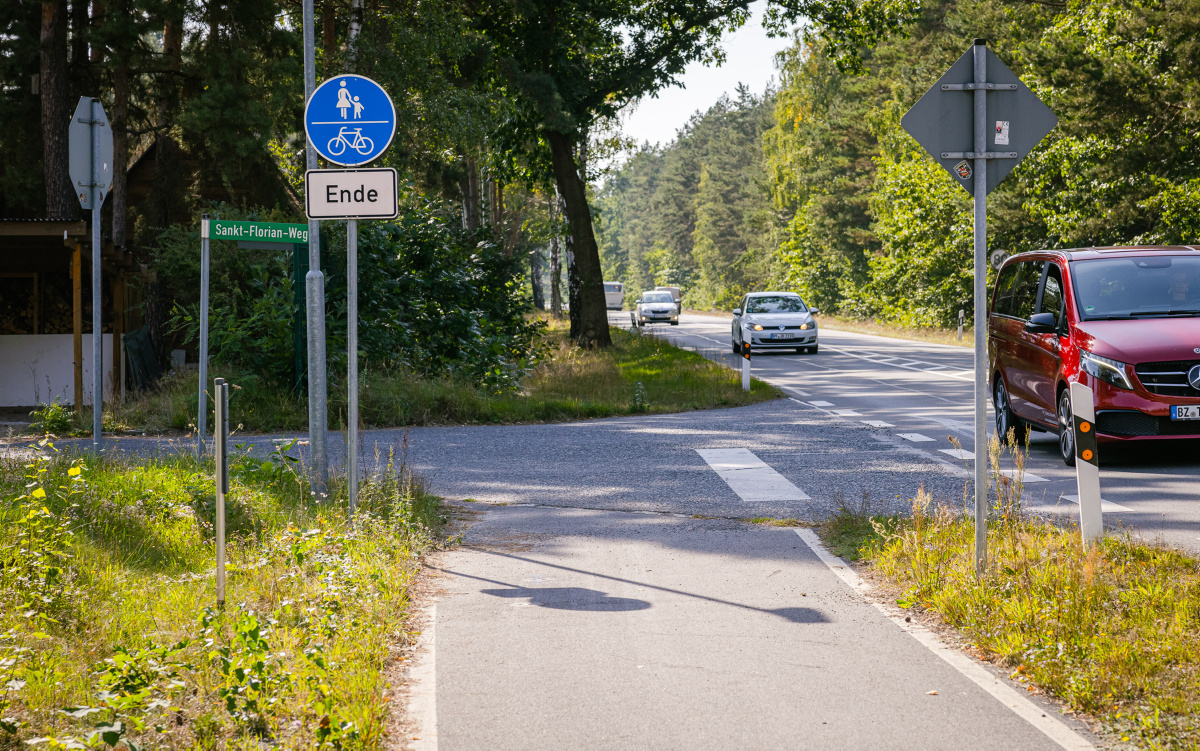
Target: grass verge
[[1111, 630], [637, 375], [896, 331], [110, 635], [933, 335]]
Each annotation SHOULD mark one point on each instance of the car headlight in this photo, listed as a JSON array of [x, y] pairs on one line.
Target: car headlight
[[757, 327], [1107, 370], [804, 327]]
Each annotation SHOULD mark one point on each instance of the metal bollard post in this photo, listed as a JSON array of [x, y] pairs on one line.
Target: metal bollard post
[[221, 459]]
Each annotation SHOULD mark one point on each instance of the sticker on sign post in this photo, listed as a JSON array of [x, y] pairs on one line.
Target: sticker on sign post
[[1002, 132], [963, 170]]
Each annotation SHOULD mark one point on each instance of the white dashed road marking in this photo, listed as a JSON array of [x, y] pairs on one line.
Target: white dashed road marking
[[958, 453], [821, 404], [878, 424], [846, 413], [915, 437], [750, 477]]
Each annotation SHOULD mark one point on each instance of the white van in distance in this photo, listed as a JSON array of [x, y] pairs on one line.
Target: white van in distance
[[614, 295]]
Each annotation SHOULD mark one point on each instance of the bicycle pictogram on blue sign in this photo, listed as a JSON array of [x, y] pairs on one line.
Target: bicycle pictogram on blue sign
[[350, 120]]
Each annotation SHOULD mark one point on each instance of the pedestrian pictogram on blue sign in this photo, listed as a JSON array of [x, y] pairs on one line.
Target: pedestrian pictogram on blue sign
[[350, 120]]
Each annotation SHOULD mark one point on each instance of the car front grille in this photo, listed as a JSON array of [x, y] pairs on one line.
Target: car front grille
[[1167, 378], [1131, 423]]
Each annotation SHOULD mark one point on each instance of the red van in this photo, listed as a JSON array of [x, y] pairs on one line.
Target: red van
[[1123, 320]]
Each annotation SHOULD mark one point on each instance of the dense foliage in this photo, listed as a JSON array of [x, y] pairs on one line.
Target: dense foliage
[[696, 213], [433, 299], [868, 225]]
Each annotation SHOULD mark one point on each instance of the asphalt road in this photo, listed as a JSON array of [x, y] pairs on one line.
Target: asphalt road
[[902, 390]]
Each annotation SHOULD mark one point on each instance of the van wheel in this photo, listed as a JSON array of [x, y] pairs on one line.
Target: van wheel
[[1006, 419], [1066, 428]]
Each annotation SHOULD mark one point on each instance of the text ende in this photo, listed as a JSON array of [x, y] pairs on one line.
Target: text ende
[[344, 195]]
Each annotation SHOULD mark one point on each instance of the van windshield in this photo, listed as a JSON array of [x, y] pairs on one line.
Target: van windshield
[[775, 304], [1145, 286]]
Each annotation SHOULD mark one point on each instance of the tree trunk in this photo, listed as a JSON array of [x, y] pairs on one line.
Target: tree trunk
[[120, 127], [555, 263], [535, 278], [160, 204], [328, 37], [589, 315], [471, 199], [56, 113], [79, 42], [356, 20], [97, 22]]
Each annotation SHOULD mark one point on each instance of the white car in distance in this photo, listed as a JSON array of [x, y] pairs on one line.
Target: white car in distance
[[775, 320], [655, 307]]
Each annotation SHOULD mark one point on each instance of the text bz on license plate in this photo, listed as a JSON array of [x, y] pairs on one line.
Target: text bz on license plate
[[1185, 412], [783, 335]]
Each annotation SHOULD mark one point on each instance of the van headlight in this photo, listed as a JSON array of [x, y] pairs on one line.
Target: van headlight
[[1107, 370]]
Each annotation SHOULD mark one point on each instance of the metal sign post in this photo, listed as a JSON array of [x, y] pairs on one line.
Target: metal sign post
[[1087, 463], [350, 120], [953, 128], [221, 461], [91, 168], [314, 287], [202, 415], [352, 360]]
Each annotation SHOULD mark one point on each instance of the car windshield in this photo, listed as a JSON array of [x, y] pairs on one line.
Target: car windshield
[[657, 297], [776, 304], [1136, 287]]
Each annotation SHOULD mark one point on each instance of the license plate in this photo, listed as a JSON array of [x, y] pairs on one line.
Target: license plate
[[1185, 412], [784, 335]]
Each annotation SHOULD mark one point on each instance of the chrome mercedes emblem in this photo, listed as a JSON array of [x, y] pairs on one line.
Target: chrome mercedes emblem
[[1194, 377]]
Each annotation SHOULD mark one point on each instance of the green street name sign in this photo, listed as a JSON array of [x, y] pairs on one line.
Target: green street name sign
[[263, 232]]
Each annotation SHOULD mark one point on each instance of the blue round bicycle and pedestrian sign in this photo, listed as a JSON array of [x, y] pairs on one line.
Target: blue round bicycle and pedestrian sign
[[350, 120]]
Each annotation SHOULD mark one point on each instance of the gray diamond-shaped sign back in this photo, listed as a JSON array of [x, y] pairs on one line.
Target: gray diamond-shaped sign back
[[943, 121], [89, 131]]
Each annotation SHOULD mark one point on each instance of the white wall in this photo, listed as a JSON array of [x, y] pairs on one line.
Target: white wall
[[36, 368]]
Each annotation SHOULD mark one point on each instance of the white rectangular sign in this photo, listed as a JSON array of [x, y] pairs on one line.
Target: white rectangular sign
[[351, 194]]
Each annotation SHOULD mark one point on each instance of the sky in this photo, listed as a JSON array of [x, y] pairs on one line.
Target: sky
[[749, 59]]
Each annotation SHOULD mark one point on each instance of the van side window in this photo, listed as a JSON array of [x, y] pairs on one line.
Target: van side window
[[1025, 288], [1052, 296], [1002, 303]]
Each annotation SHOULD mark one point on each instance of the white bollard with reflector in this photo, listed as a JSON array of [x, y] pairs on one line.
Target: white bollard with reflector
[[1087, 463], [745, 359]]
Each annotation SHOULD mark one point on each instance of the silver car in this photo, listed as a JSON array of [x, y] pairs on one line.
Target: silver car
[[655, 307], [775, 320]]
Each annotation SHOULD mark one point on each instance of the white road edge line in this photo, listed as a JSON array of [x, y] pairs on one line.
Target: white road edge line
[[422, 687], [1053, 729]]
